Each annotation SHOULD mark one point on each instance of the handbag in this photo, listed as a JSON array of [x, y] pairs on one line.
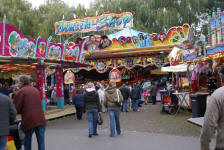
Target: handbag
[[118, 100], [99, 119]]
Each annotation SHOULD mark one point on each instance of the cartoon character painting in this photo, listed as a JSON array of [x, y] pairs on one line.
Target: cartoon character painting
[[141, 40], [104, 42], [199, 48], [42, 47], [20, 46], [54, 52], [92, 44], [148, 40]]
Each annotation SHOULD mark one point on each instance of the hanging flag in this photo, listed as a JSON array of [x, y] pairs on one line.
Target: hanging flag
[[96, 14], [74, 15], [85, 14], [120, 10], [63, 16]]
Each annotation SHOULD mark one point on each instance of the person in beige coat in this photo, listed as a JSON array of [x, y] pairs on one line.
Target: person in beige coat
[[214, 119], [113, 100]]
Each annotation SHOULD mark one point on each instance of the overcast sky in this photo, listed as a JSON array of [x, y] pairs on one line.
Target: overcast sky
[[37, 3]]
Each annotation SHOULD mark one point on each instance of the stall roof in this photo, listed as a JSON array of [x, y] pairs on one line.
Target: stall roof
[[127, 32], [129, 52]]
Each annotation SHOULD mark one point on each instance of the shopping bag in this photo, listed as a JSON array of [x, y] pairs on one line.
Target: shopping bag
[[10, 145]]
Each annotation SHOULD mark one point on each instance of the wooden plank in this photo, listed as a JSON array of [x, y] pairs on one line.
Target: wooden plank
[[197, 121], [56, 113]]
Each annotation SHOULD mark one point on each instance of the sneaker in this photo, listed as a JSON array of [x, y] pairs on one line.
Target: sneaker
[[96, 134], [90, 135]]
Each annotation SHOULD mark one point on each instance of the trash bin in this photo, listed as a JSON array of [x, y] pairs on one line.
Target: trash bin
[[198, 105]]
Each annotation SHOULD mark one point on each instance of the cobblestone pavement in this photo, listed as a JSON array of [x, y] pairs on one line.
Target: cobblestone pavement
[[146, 129]]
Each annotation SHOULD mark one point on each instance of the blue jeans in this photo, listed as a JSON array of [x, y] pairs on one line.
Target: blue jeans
[[92, 120], [125, 105], [135, 104], [39, 131], [3, 141], [114, 114]]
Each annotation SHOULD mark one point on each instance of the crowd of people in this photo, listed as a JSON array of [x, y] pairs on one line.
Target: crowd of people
[[92, 99], [27, 102]]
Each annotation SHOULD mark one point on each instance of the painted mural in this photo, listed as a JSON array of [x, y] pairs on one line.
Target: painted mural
[[103, 22], [19, 46], [174, 36], [16, 45]]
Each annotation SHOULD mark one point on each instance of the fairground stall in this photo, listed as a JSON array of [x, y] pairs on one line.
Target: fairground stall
[[206, 61], [131, 54], [23, 56]]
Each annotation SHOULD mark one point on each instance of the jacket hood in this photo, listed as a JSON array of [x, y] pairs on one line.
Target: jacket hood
[[111, 90], [90, 93], [90, 89]]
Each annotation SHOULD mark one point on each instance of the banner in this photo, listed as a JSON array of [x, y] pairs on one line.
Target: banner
[[103, 22], [115, 75], [17, 45]]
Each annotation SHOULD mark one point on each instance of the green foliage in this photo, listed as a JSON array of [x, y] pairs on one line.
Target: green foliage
[[149, 15]]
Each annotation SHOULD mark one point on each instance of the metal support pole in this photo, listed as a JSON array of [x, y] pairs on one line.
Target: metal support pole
[[3, 41]]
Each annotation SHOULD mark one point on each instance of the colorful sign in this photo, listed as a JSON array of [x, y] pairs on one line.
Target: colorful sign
[[73, 52], [16, 45], [174, 36], [199, 49], [176, 56], [103, 22], [101, 67], [41, 47], [115, 75], [69, 78], [55, 51]]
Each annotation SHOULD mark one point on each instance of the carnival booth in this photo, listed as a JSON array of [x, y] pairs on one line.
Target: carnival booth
[[180, 79], [23, 56], [135, 54], [206, 61]]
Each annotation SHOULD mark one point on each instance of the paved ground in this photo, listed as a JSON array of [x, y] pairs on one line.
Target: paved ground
[[147, 129]]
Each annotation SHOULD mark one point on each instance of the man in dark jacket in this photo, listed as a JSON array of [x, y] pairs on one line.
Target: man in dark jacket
[[78, 102], [153, 91], [125, 91], [135, 96], [7, 117], [28, 103]]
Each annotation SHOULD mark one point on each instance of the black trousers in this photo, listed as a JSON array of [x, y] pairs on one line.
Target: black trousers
[[15, 134], [153, 99], [79, 113], [219, 148]]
